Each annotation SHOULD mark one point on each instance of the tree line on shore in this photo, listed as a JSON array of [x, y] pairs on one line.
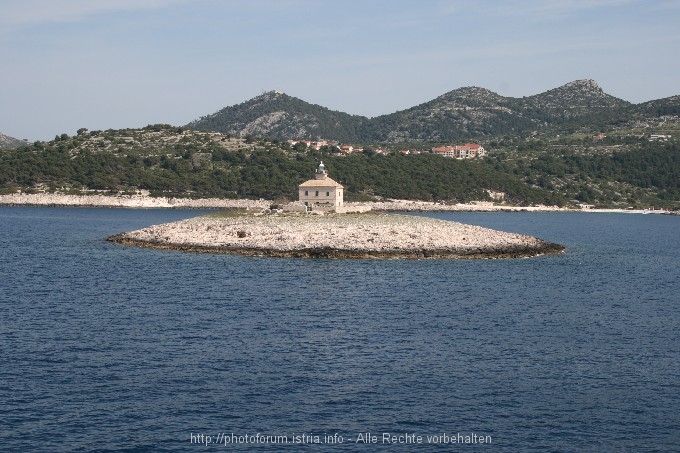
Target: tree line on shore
[[646, 176]]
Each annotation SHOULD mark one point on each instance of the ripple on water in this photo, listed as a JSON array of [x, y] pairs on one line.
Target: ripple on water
[[120, 348]]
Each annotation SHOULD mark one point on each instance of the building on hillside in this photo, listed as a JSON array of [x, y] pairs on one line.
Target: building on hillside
[[321, 191], [466, 151], [446, 151], [469, 151], [309, 143]]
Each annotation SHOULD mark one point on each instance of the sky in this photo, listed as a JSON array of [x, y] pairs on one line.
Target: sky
[[112, 64]]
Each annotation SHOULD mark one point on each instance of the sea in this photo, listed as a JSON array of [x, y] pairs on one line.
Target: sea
[[112, 348]]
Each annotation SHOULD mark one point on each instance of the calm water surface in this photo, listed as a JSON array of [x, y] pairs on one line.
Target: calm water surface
[[105, 347]]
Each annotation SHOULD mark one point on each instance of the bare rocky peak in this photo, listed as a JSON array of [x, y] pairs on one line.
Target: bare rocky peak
[[583, 88], [474, 94], [576, 94], [8, 142], [270, 96], [584, 84]]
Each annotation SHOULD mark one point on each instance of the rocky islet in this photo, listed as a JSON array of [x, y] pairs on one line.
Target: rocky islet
[[370, 235]]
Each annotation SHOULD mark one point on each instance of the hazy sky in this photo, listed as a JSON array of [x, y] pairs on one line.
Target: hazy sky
[[100, 64]]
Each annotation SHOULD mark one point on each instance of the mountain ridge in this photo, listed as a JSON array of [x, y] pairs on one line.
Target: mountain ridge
[[461, 114]]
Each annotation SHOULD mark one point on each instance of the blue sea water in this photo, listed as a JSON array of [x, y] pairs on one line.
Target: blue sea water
[[105, 347]]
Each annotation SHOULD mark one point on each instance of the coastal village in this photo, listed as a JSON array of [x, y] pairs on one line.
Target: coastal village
[[465, 151]]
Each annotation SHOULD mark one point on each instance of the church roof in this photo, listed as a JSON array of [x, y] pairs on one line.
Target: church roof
[[326, 182]]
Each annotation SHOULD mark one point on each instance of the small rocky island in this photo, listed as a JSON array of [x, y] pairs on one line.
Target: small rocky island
[[319, 225], [367, 235]]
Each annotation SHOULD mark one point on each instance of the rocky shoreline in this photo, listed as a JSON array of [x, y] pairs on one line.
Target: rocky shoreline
[[372, 235], [128, 201], [149, 202]]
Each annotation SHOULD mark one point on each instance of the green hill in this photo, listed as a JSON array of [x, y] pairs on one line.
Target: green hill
[[277, 115], [172, 161]]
